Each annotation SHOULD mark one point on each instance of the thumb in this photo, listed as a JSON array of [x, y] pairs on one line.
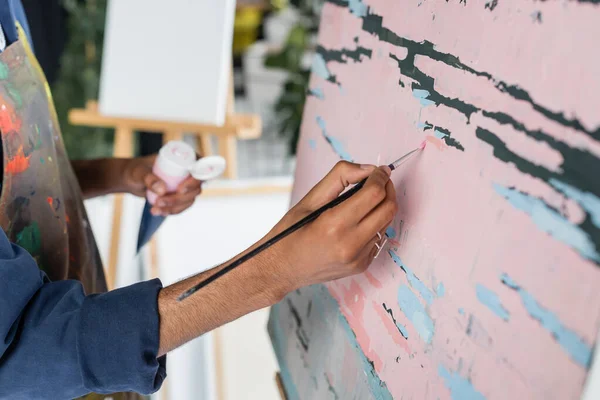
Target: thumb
[[155, 184], [342, 175]]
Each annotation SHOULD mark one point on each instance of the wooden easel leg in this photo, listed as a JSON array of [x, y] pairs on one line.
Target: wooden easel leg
[[123, 147], [113, 258], [154, 272], [228, 149], [204, 145], [219, 371], [172, 135], [280, 386]]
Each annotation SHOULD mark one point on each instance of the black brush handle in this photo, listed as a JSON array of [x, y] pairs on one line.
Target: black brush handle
[[304, 221]]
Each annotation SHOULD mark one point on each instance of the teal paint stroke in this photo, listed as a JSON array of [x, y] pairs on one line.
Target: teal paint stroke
[[318, 93], [319, 66], [438, 134], [440, 289], [461, 311], [414, 282], [337, 146], [491, 301], [358, 8], [3, 71], [551, 222], [279, 340], [422, 125], [460, 388], [415, 312], [588, 201], [573, 344], [312, 143], [325, 314], [422, 95], [402, 330], [390, 232]]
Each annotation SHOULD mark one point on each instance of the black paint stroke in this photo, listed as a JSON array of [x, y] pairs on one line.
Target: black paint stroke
[[448, 139], [389, 311], [341, 55], [300, 334], [330, 387], [491, 5], [428, 126]]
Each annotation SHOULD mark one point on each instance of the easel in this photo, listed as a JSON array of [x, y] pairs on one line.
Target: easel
[[236, 126]]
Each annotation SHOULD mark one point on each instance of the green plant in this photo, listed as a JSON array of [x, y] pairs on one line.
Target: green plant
[[79, 77], [290, 104]]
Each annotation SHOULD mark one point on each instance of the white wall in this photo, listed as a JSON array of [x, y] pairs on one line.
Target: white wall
[[212, 231]]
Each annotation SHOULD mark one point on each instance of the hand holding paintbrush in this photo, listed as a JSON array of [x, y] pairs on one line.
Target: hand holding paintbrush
[[336, 228], [302, 222]]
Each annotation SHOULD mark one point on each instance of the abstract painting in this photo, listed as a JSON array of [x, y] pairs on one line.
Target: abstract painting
[[489, 286]]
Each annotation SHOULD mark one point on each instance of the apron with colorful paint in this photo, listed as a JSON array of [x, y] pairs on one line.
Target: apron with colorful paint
[[41, 205]]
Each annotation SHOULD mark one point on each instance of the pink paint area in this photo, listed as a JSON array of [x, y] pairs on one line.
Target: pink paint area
[[390, 327], [438, 143], [372, 280], [354, 301]]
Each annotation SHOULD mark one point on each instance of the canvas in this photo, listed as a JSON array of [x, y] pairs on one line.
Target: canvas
[[489, 286], [167, 60]]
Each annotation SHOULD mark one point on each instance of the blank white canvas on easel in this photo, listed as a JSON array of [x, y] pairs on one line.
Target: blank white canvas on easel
[[167, 60]]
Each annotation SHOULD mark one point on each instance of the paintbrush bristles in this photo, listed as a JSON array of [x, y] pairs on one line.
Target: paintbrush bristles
[[399, 161]]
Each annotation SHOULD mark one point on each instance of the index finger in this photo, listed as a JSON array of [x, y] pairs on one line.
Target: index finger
[[155, 184], [367, 198], [188, 185], [336, 181]]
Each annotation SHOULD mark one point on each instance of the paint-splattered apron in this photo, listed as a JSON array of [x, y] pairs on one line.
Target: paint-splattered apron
[[41, 205]]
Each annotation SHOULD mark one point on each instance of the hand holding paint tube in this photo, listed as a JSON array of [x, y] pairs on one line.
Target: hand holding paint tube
[[175, 162]]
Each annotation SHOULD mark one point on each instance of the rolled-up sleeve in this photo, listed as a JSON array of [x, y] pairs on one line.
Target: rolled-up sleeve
[[56, 342]]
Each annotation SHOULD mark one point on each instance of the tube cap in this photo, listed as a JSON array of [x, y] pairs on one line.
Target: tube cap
[[208, 168], [176, 158]]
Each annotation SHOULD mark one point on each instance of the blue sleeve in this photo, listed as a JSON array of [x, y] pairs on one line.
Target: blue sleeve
[[55, 342]]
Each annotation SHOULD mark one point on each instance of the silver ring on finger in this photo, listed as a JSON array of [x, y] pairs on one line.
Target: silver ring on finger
[[380, 246]]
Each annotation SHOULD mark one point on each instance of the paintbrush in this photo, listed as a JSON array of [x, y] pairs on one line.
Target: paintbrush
[[304, 221]]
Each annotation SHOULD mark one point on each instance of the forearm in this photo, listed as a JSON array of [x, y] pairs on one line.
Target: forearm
[[254, 285], [100, 177]]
